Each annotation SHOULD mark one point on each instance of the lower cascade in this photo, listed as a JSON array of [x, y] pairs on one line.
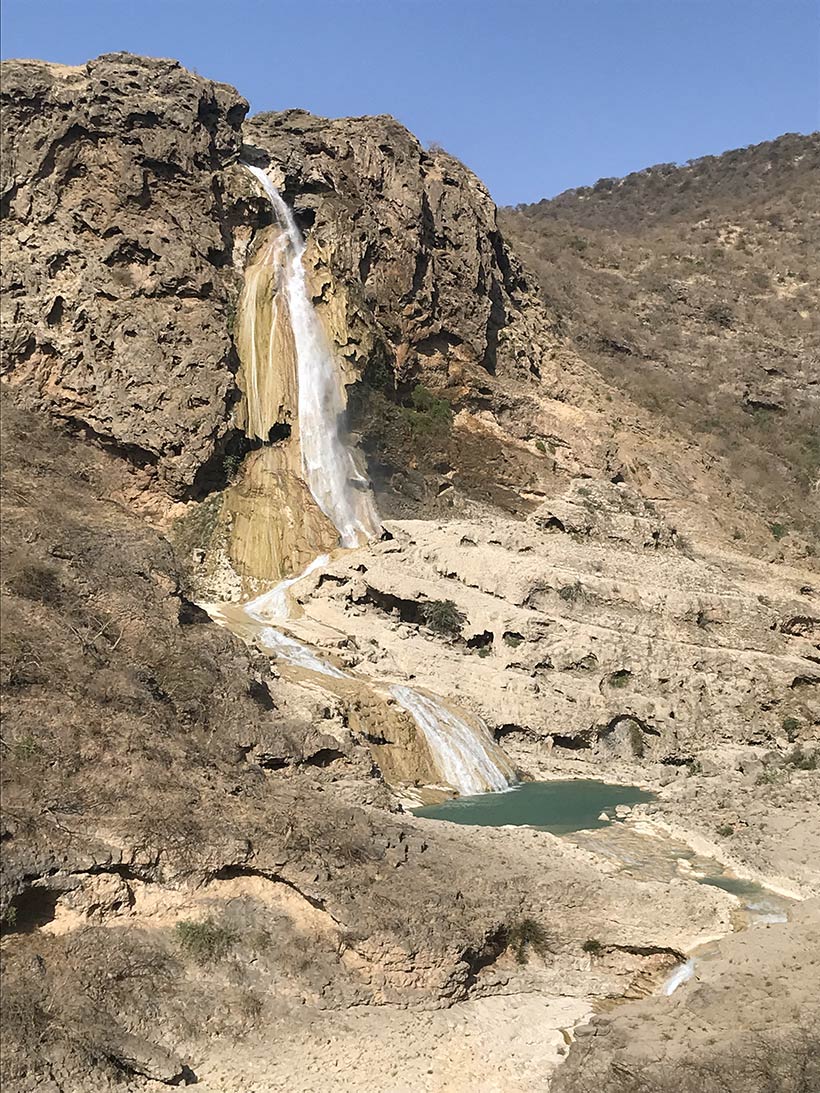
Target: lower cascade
[[465, 755], [682, 974], [468, 758]]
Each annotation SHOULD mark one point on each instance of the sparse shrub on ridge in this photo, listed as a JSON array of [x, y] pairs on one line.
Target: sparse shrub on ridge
[[444, 617], [207, 942], [593, 946], [524, 935], [571, 593]]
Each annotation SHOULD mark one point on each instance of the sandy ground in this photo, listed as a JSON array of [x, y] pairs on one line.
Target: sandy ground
[[500, 1044]]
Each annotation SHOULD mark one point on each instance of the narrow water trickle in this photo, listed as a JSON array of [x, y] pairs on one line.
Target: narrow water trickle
[[682, 974]]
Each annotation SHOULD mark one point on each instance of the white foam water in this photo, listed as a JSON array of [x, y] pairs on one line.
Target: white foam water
[[273, 604], [682, 974], [339, 489], [291, 650], [466, 756]]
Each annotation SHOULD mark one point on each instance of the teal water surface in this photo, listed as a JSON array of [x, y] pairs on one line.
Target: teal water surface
[[559, 807]]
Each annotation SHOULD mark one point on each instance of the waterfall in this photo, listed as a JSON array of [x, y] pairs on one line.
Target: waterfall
[[467, 757], [273, 604], [339, 489], [682, 974]]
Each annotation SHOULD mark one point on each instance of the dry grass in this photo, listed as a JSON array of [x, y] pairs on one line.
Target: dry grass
[[692, 290]]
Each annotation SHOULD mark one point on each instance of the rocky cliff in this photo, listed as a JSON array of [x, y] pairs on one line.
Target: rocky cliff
[[118, 277]]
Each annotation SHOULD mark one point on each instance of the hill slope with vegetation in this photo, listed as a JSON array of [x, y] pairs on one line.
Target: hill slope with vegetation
[[693, 288]]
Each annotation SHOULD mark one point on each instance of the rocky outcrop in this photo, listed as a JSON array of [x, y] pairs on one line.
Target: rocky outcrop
[[590, 628], [208, 834], [124, 199], [184, 780], [772, 1043], [418, 291], [409, 268], [118, 280]]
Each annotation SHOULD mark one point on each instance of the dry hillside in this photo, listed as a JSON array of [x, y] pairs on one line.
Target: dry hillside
[[694, 289]]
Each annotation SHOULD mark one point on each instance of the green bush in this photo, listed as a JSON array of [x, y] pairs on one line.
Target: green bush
[[593, 946], [444, 617], [427, 415], [207, 941], [524, 935], [725, 830], [790, 726], [778, 531], [769, 776], [231, 465]]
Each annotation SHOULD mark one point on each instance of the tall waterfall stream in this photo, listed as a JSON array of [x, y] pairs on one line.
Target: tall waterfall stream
[[465, 754]]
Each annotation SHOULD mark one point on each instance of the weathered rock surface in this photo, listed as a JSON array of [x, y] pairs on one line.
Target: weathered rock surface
[[420, 293], [159, 773], [588, 627], [155, 774], [699, 1040], [118, 280], [406, 256]]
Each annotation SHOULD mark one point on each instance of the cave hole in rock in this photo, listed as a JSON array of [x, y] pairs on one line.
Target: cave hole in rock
[[571, 743], [191, 614], [508, 730], [324, 757], [31, 909]]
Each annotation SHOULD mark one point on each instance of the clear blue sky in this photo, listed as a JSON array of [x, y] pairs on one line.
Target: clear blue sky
[[534, 95]]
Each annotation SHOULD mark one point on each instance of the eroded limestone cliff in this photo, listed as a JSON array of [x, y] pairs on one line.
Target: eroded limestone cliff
[[118, 277]]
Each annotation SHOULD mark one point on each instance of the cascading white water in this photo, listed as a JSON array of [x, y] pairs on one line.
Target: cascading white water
[[273, 604], [462, 753], [682, 974], [291, 650], [465, 756], [339, 489]]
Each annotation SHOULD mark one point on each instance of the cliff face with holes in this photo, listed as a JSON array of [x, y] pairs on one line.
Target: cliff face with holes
[[118, 280]]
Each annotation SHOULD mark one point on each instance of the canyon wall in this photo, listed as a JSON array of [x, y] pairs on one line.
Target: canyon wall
[[118, 276]]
